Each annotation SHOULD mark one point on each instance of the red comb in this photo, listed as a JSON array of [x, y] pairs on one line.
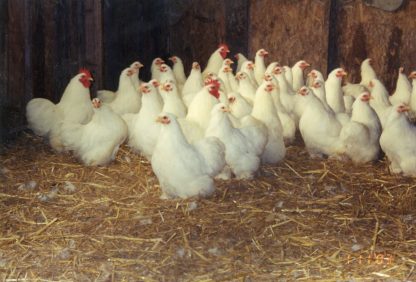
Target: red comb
[[224, 45], [214, 82], [85, 71]]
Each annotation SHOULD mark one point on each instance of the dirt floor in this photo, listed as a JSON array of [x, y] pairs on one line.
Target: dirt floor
[[304, 219]]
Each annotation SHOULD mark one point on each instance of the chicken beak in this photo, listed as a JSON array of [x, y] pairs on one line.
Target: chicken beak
[[140, 65], [265, 53], [91, 79], [159, 119], [344, 73], [226, 110]]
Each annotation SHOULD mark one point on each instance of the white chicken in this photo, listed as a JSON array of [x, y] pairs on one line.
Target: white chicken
[[199, 111], [238, 105], [288, 123], [367, 74], [173, 103], [97, 142], [271, 67], [127, 100], [319, 128], [318, 88], [398, 142], [248, 68], [241, 151], [259, 65], [312, 76], [264, 111], [185, 170], [333, 90], [360, 137], [287, 95], [193, 84], [154, 68], [246, 88], [178, 69], [225, 74], [136, 66], [412, 76], [403, 90], [106, 96], [380, 103], [143, 130], [287, 71], [348, 102], [166, 74], [297, 74], [231, 78], [45, 118], [240, 60], [215, 60]]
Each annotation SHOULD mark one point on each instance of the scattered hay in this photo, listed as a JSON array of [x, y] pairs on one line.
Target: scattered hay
[[303, 219]]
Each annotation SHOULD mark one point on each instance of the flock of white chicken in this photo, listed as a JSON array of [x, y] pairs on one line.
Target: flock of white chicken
[[214, 124]]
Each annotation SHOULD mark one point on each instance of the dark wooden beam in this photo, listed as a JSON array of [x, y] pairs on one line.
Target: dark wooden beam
[[236, 25], [94, 41], [333, 61], [16, 52], [3, 69], [50, 44]]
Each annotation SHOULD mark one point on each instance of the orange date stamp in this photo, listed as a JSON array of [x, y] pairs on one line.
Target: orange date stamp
[[373, 258]]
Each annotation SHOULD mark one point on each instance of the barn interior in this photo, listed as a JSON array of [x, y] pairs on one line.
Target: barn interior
[[303, 219]]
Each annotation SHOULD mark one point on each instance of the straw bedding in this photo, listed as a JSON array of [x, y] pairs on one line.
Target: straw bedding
[[304, 219]]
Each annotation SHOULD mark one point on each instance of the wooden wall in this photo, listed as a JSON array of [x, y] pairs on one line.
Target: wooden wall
[[196, 27], [388, 38], [291, 30], [43, 43], [132, 31]]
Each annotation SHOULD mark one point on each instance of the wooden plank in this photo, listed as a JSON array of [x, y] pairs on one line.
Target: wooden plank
[[68, 38], [133, 30], [236, 25], [195, 29], [48, 9], [387, 38], [3, 69], [38, 50], [332, 36], [94, 41], [290, 30], [16, 52]]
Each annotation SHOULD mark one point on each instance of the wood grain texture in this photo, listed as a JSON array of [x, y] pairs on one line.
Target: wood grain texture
[[388, 38], [236, 23], [93, 59], [195, 29], [3, 69], [290, 30], [16, 52], [133, 31]]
